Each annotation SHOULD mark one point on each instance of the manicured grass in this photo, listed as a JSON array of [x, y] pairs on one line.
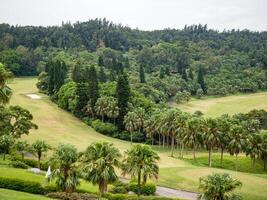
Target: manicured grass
[[23, 174], [57, 126], [16, 195], [244, 164], [213, 107]]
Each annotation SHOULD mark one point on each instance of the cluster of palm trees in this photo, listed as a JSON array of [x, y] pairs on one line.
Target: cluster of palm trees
[[176, 128], [98, 165], [5, 91]]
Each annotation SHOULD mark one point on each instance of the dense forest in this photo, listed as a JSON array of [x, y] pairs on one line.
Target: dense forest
[[114, 77]]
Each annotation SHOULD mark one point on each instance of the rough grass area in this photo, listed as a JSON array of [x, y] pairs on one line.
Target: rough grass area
[[16, 195], [57, 126], [213, 107]]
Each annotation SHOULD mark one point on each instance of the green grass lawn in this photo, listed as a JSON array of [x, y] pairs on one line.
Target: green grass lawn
[[57, 126], [16, 195], [213, 107]]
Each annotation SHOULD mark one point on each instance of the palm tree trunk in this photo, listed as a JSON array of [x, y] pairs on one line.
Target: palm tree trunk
[[236, 162], [139, 183], [159, 140], [131, 138], [253, 163], [194, 152], [102, 118], [172, 145], [39, 162], [168, 143], [4, 157], [163, 142], [22, 156], [181, 149], [264, 163], [144, 179], [210, 154], [222, 156]]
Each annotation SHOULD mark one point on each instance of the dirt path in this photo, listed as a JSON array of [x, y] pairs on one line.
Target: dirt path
[[168, 192]]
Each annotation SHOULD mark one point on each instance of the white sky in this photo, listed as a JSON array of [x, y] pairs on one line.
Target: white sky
[[144, 14]]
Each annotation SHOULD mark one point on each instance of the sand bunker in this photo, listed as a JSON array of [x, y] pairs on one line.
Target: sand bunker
[[33, 96]]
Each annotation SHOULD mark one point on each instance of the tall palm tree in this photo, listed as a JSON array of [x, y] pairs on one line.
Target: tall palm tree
[[5, 91], [237, 141], [254, 146], [66, 173], [38, 148], [141, 114], [192, 132], [22, 147], [210, 136], [99, 162], [141, 161], [112, 109], [263, 153], [224, 125], [131, 123], [101, 107]]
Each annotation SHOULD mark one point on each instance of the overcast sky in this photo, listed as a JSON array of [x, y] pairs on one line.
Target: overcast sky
[[144, 14]]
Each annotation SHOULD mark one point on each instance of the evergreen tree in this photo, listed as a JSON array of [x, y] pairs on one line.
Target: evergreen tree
[[112, 75], [81, 99], [77, 73], [100, 61], [102, 76], [161, 73], [93, 90], [200, 80], [184, 75], [123, 95], [142, 75], [190, 74]]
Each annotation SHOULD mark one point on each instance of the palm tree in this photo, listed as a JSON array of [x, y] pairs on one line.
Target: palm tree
[[218, 187], [210, 136], [224, 125], [131, 123], [38, 148], [141, 114], [65, 173], [5, 91], [99, 162], [112, 109], [254, 146], [141, 161], [237, 141], [192, 131], [101, 107], [22, 147], [263, 152]]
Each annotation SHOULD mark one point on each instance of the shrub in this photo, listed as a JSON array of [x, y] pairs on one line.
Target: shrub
[[18, 164], [147, 189], [22, 185], [105, 128], [119, 190], [71, 196], [31, 162]]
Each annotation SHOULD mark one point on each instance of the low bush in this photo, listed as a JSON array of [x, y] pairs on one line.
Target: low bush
[[22, 185], [147, 189], [104, 128], [119, 190], [71, 196], [31, 162], [18, 164]]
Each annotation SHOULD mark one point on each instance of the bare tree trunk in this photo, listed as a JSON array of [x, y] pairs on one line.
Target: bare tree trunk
[[194, 152], [139, 183], [210, 154], [222, 156], [172, 145]]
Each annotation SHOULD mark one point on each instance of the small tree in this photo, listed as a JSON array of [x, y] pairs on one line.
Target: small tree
[[199, 93], [66, 173], [38, 148], [218, 187], [141, 160], [131, 123], [6, 143], [22, 147], [99, 162]]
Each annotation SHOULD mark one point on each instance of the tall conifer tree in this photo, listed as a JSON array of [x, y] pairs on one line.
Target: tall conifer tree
[[142, 75]]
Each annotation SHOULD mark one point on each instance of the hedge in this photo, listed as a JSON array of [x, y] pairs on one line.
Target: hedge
[[31, 162], [147, 189], [24, 186], [71, 196], [104, 128]]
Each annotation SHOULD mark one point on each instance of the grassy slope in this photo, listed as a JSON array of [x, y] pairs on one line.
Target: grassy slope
[[57, 126], [16, 195], [212, 107]]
